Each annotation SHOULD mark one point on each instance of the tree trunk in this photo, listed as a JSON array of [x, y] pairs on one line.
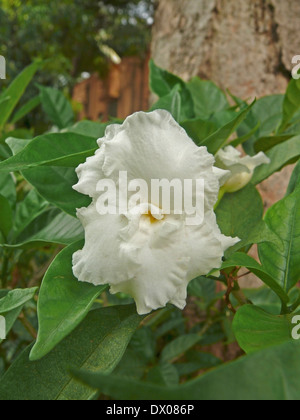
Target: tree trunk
[[245, 46]]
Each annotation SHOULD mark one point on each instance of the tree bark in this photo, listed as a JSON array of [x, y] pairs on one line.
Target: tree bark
[[245, 46]]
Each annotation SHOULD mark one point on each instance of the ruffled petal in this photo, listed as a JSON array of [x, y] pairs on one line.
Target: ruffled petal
[[153, 146], [241, 168], [100, 261], [161, 265], [89, 174], [206, 247]]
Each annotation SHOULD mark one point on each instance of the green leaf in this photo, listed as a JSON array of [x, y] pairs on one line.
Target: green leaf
[[170, 88], [199, 129], [208, 98], [6, 216], [56, 106], [163, 374], [266, 143], [161, 81], [25, 109], [244, 260], [15, 91], [16, 298], [271, 374], [20, 133], [280, 156], [179, 346], [255, 329], [284, 264], [197, 361], [144, 345], [242, 139], [17, 144], [239, 213], [260, 233], [53, 227], [171, 102], [63, 302], [267, 111], [291, 103], [218, 139], [97, 344], [55, 149], [264, 298], [295, 180], [27, 210], [55, 185], [8, 188], [88, 128]]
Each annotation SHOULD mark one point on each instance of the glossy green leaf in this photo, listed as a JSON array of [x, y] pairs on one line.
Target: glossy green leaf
[[199, 129], [162, 82], [291, 103], [88, 128], [56, 106], [52, 226], [55, 149], [244, 260], [55, 185], [17, 144], [63, 302], [13, 305], [260, 233], [171, 102], [98, 344], [280, 156], [266, 143], [295, 180], [267, 112], [20, 133], [175, 97], [218, 139], [208, 98], [27, 210], [271, 374], [16, 298], [255, 329], [284, 264], [242, 139], [239, 213], [15, 91]]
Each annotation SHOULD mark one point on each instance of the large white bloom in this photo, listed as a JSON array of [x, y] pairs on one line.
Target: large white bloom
[[151, 256], [241, 168]]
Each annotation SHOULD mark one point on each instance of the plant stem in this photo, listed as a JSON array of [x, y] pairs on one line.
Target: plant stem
[[28, 327]]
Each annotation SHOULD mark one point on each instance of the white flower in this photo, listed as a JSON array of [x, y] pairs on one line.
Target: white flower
[[241, 168], [143, 252]]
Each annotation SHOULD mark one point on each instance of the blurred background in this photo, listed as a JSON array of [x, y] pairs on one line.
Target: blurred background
[[98, 51]]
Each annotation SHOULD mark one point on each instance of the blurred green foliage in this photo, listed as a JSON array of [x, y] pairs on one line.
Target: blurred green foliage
[[75, 37]]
